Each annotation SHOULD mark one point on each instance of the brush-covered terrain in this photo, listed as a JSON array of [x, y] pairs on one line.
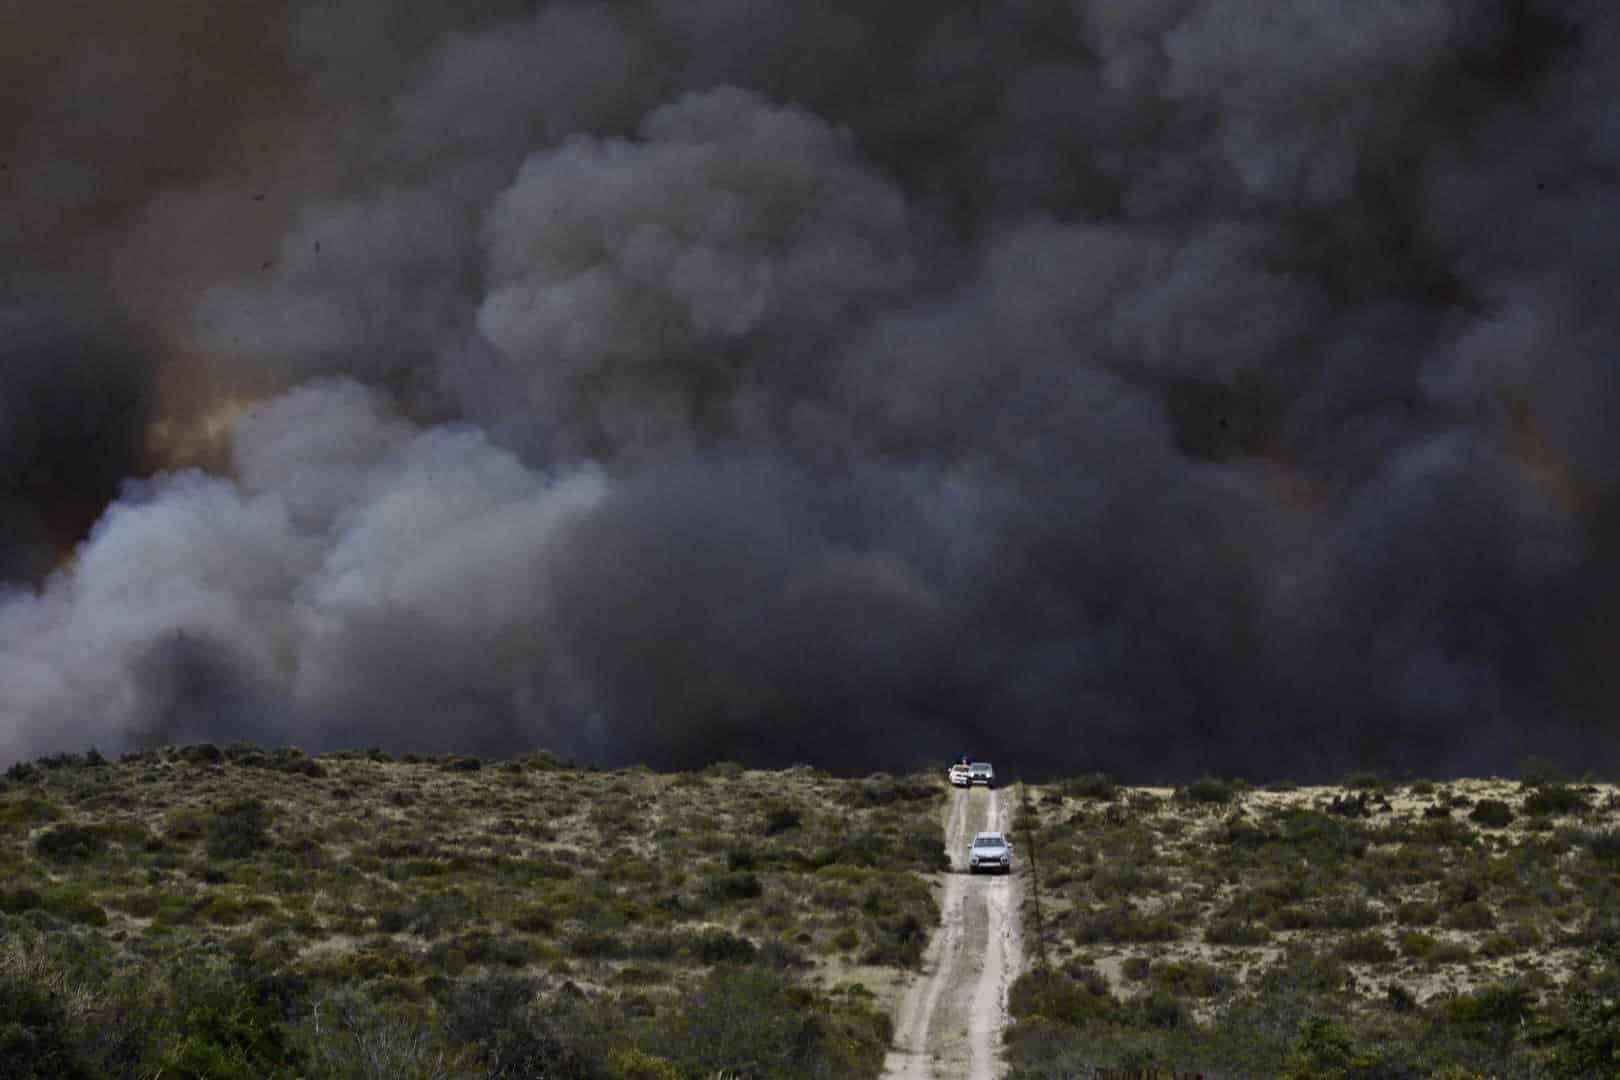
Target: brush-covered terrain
[[237, 912], [1461, 929]]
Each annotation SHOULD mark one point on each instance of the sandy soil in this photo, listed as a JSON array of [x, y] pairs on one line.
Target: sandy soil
[[950, 1019]]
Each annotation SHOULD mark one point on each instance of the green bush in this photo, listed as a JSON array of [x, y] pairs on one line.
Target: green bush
[[750, 1021], [1192, 978], [780, 819], [1054, 996], [1236, 932], [1473, 915], [1207, 790], [1123, 923], [735, 885], [37, 1041], [1417, 913], [237, 829], [1492, 814], [69, 843], [1364, 949], [205, 1024], [1554, 799], [1097, 786]]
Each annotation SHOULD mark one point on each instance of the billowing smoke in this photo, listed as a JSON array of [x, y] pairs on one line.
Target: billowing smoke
[[1168, 387]]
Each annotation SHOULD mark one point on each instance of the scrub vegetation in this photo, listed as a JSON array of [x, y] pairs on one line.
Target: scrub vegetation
[[1368, 929], [236, 912]]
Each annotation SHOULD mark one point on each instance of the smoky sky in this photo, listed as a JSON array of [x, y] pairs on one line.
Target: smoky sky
[[1166, 387]]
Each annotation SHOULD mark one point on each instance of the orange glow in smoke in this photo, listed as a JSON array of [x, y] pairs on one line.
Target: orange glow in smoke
[[195, 416]]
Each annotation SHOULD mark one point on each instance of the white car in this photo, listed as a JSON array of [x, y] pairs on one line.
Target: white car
[[990, 851], [980, 772], [958, 775]]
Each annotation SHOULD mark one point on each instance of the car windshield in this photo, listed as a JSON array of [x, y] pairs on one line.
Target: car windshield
[[987, 841]]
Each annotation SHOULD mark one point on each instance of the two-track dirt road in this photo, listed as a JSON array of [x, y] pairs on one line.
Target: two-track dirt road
[[950, 1021]]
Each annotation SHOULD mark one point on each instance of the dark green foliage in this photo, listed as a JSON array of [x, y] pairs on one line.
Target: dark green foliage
[[1236, 932], [1054, 996], [237, 830], [17, 900], [1417, 913], [750, 1021], [781, 818], [1364, 949], [881, 789], [494, 1017], [36, 1040], [734, 885], [68, 842], [900, 942], [1506, 1004], [722, 947], [1123, 923], [1192, 978], [1472, 915], [1554, 799], [1604, 846], [1367, 781], [1207, 790], [1491, 813], [207, 1024], [1098, 786]]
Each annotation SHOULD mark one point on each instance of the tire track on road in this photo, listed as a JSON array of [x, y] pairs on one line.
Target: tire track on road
[[950, 1021]]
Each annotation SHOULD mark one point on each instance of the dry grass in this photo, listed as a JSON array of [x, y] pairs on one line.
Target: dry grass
[[403, 877], [1416, 896]]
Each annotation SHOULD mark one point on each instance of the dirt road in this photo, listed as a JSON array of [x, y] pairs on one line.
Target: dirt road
[[950, 1021]]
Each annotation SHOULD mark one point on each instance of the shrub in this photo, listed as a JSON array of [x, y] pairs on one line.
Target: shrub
[[1418, 945], [1364, 949], [1098, 786], [1503, 1005], [36, 1039], [1191, 977], [1055, 996], [1207, 790], [1161, 1010], [1123, 923], [1473, 915], [781, 818], [750, 1021], [68, 843], [1236, 932], [237, 829], [735, 885], [204, 1022], [899, 942], [1554, 799], [1491, 813], [1449, 952], [347, 1034], [1366, 781], [722, 947], [1604, 846], [1417, 913], [18, 900]]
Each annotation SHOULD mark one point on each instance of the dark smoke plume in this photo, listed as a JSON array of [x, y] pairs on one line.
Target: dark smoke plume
[[1167, 386]]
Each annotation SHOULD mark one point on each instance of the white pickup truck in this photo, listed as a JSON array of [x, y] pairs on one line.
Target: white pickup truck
[[958, 775], [980, 772]]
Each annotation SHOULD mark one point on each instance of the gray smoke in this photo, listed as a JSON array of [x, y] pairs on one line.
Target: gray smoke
[[1167, 387]]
